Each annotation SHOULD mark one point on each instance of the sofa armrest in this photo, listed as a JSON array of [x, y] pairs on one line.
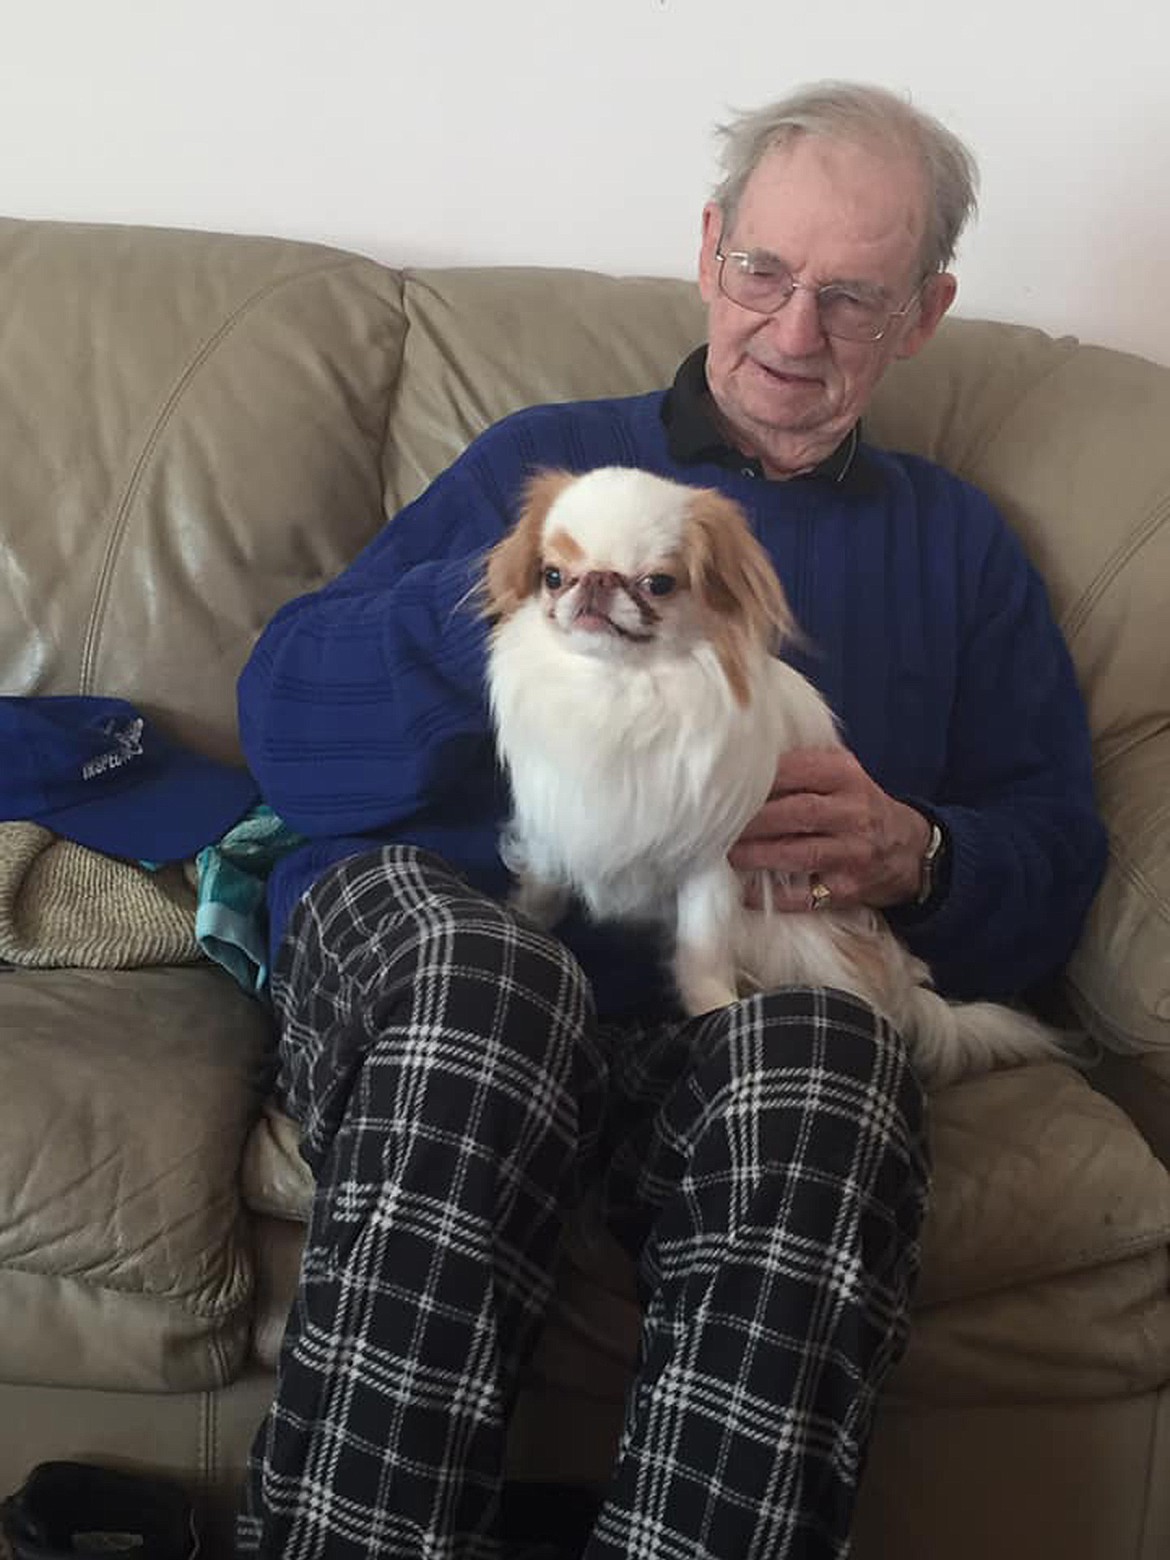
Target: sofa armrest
[[1119, 977]]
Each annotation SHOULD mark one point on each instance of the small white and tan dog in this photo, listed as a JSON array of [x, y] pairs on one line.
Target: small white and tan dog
[[640, 708]]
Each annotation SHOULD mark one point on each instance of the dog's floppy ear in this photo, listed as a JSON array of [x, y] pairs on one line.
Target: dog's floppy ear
[[733, 580], [513, 565]]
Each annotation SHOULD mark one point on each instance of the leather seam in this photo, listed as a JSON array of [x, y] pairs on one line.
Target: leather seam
[[1113, 566], [158, 1296], [1081, 1261], [123, 508], [967, 467]]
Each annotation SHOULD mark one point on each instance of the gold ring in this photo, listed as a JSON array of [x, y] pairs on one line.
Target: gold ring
[[819, 897]]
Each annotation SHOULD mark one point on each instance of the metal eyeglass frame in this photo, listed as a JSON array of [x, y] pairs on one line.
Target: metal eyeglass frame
[[743, 255]]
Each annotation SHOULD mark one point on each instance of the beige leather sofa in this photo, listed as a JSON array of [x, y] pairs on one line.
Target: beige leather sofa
[[194, 428]]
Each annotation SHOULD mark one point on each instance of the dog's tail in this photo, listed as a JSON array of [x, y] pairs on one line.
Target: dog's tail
[[949, 1040]]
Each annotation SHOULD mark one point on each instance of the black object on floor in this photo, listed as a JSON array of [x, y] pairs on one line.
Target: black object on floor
[[74, 1508], [556, 1517]]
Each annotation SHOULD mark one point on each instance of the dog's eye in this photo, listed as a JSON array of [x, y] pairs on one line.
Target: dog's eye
[[552, 578], [658, 584]]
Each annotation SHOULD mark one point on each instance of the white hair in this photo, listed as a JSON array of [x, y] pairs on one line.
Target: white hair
[[866, 115]]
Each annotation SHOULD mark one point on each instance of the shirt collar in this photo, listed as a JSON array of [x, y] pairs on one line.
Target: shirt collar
[[694, 435]]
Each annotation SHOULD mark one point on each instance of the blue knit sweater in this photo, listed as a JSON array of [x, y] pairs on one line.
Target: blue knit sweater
[[363, 713]]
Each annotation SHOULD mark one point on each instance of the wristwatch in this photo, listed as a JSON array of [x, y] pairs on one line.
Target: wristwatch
[[930, 863]]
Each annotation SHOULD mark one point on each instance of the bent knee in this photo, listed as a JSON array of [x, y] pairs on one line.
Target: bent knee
[[446, 958], [819, 1030], [398, 931]]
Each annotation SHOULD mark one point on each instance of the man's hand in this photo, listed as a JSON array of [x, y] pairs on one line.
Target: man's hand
[[826, 816]]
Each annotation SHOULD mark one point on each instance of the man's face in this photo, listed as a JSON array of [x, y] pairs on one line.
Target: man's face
[[832, 212]]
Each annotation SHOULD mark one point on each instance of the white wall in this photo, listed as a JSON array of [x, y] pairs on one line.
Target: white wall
[[578, 131]]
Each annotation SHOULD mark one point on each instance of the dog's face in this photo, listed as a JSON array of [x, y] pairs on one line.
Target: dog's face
[[625, 564]]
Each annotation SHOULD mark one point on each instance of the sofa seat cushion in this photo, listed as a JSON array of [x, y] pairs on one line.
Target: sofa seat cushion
[[1036, 1175], [274, 1179], [1046, 1253], [125, 1101], [1046, 1257]]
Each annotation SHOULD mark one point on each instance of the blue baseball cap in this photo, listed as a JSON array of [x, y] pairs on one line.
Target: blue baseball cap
[[95, 771]]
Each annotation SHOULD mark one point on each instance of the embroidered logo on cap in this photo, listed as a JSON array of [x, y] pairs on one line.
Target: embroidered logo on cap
[[129, 746]]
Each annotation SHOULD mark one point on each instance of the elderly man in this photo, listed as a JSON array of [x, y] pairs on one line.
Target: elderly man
[[462, 1079]]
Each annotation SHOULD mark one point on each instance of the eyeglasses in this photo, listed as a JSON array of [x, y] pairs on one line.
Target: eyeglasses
[[764, 285]]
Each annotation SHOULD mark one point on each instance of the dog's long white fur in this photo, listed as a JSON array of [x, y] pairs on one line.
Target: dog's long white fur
[[635, 766]]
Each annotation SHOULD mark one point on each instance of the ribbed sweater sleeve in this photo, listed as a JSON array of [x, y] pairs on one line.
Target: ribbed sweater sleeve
[[363, 702], [1016, 796]]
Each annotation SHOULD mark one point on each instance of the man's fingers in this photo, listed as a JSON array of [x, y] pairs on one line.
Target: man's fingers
[[839, 818], [805, 813], [814, 769], [808, 813], [803, 854]]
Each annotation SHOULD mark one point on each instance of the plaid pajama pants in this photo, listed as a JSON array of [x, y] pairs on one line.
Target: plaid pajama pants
[[765, 1166]]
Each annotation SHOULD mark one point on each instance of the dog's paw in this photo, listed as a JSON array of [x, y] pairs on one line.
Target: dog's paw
[[704, 994], [542, 903]]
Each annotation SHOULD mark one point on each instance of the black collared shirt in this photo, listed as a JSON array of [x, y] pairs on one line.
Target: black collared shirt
[[693, 435]]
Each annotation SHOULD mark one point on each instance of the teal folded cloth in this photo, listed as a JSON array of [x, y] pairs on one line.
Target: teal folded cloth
[[231, 921]]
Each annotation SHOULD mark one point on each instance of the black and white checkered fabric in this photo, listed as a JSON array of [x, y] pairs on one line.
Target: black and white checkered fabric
[[764, 1164]]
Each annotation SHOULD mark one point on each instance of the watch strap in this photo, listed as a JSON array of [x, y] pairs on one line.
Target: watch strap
[[928, 868]]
